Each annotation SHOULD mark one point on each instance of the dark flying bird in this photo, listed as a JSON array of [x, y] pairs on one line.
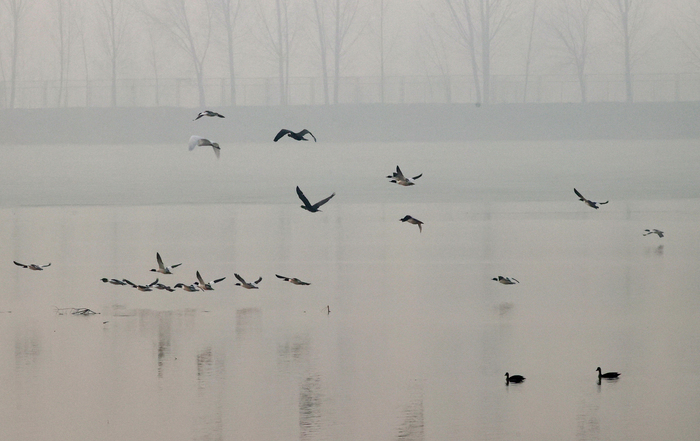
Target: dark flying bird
[[293, 280], [414, 221], [514, 378], [607, 375], [32, 266], [307, 205], [198, 140], [144, 288], [398, 178], [246, 285], [654, 231], [204, 286], [589, 202], [162, 268], [298, 136], [208, 113], [113, 281], [506, 280]]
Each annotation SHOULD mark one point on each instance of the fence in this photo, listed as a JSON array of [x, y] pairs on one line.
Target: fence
[[183, 92]]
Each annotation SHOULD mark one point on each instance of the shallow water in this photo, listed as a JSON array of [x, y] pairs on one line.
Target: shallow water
[[418, 338]]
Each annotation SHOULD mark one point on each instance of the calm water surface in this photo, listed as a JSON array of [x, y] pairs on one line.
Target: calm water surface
[[418, 338]]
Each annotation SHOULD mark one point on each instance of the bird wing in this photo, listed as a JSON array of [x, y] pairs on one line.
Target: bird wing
[[160, 261], [154, 283], [47, 265], [240, 279], [199, 277], [130, 282], [217, 151], [282, 277], [258, 281], [323, 201], [513, 278], [302, 197], [201, 114], [579, 195], [399, 175], [217, 280], [603, 203], [195, 141], [416, 177], [304, 132], [20, 264], [219, 115], [176, 265], [281, 134]]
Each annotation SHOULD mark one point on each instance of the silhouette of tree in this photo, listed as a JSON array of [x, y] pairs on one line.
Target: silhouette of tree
[[17, 10], [230, 10], [114, 18], [64, 36]]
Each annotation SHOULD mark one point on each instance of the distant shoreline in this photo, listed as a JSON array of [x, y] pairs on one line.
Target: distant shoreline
[[355, 123]]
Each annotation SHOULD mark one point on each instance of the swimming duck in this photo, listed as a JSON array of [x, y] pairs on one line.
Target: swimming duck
[[162, 268], [293, 280], [114, 281], [32, 266], [307, 205], [414, 221], [188, 288], [506, 280], [198, 140], [589, 202], [206, 286], [607, 375], [246, 285], [398, 178], [298, 136], [654, 231], [514, 378], [144, 288], [208, 113]]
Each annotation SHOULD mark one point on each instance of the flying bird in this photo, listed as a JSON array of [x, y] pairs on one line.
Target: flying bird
[[188, 288], [163, 287], [113, 281], [506, 280], [589, 202], [208, 113], [398, 178], [32, 266], [198, 140], [607, 375], [414, 221], [204, 286], [654, 231], [514, 378], [162, 268], [293, 280], [307, 205], [246, 285], [298, 136], [144, 288]]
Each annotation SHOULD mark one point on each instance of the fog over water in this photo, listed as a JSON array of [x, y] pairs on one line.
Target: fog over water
[[418, 338]]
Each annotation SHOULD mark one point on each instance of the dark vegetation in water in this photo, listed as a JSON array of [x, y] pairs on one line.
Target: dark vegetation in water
[[354, 123]]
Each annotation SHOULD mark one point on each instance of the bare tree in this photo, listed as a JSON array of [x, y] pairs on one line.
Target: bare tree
[[17, 10], [230, 10], [320, 22], [478, 22], [191, 31], [629, 18], [569, 22], [115, 17], [528, 57], [279, 36], [64, 37], [690, 34]]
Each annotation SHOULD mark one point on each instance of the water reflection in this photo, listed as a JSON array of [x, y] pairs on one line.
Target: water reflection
[[412, 425]]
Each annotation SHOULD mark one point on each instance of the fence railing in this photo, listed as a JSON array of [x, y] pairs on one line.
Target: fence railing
[[183, 92]]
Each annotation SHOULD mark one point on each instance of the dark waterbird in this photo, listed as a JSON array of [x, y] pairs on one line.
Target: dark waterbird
[[307, 205], [298, 136], [607, 375], [414, 221], [246, 285], [292, 280], [208, 113], [514, 378], [589, 202]]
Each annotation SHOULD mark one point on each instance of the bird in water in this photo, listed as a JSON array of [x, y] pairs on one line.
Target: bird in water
[[198, 140], [654, 231], [307, 205], [298, 136], [588, 201], [293, 280], [162, 268], [607, 375], [246, 285], [206, 286], [32, 266], [514, 378], [208, 113], [414, 221], [113, 281], [398, 178], [506, 280]]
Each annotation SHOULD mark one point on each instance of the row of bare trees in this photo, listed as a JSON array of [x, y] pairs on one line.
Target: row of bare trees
[[151, 38]]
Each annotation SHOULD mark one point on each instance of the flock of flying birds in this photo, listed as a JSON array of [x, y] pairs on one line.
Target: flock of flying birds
[[396, 177]]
